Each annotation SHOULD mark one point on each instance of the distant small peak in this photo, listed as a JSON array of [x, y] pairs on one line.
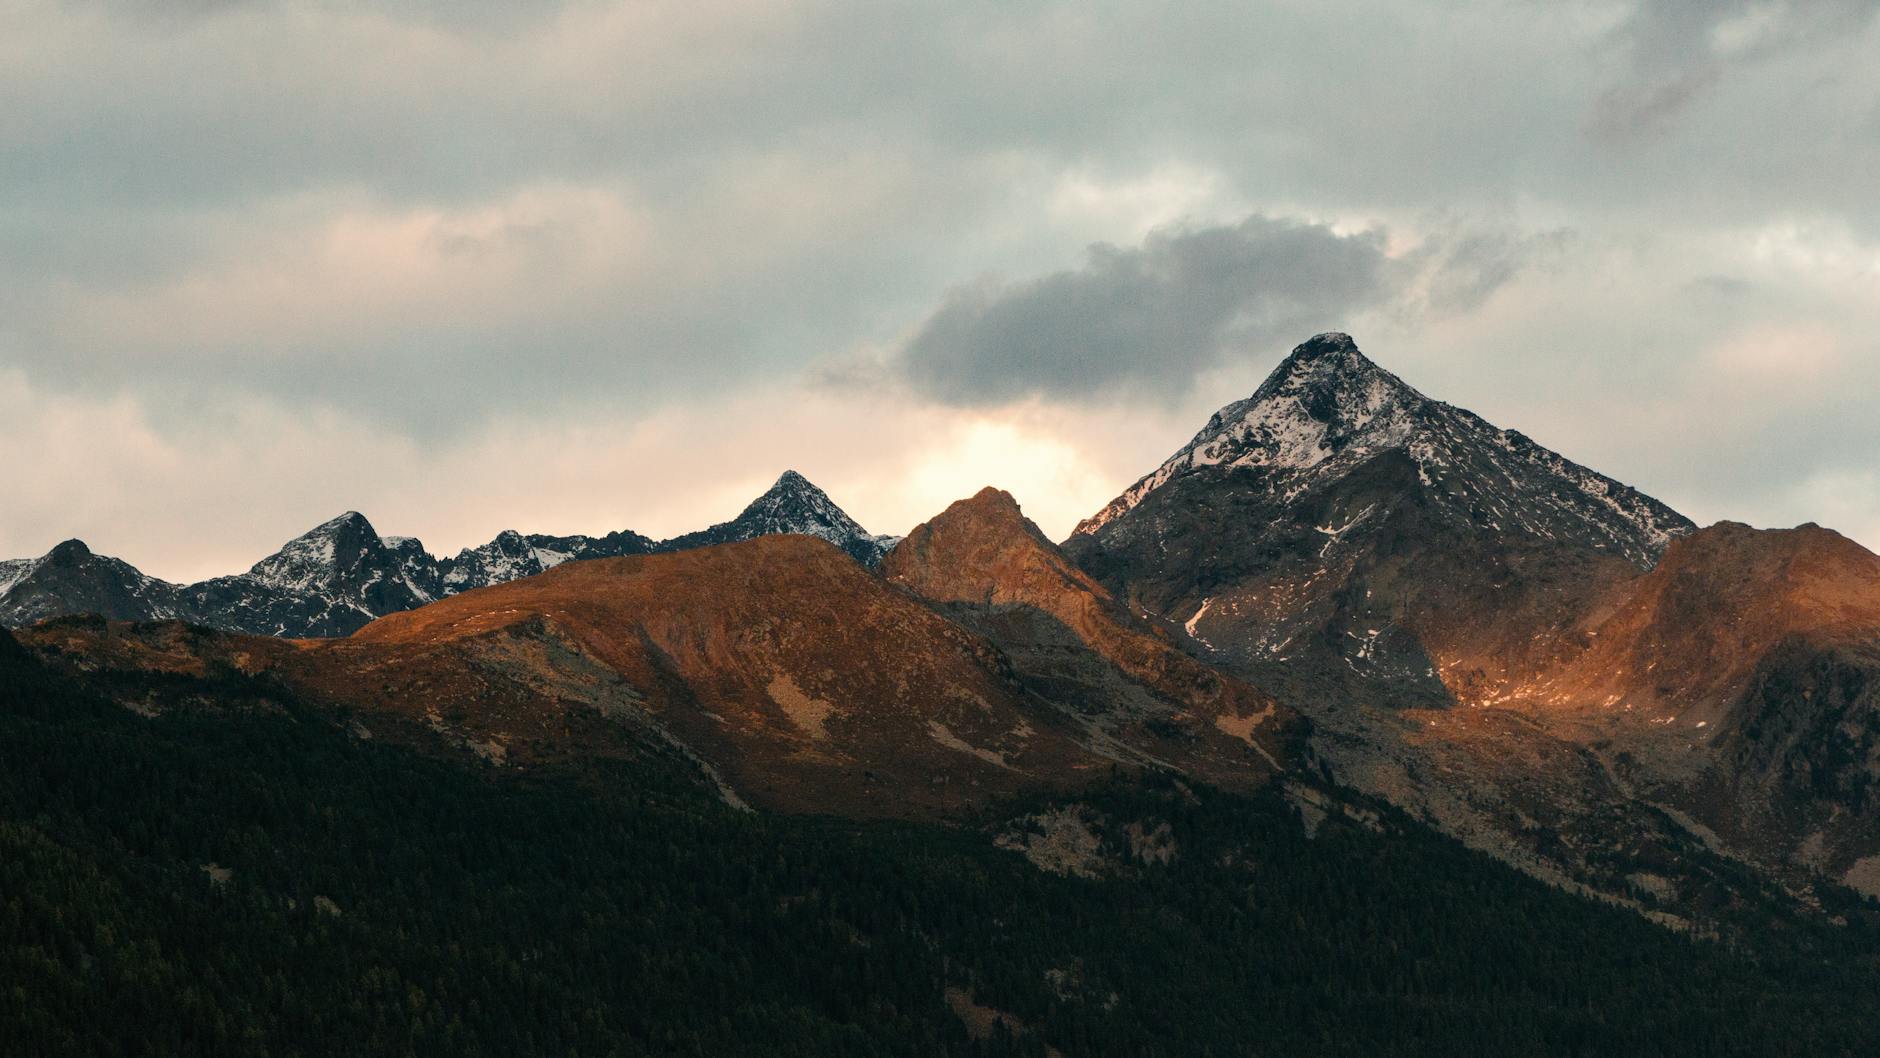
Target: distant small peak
[[992, 500], [994, 494], [989, 507], [69, 553], [791, 481]]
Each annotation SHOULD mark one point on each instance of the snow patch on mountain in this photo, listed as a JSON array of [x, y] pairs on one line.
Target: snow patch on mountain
[[11, 570], [510, 556]]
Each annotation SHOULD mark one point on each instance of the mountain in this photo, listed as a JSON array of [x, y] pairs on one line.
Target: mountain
[[336, 577], [790, 676], [983, 666], [1740, 681], [329, 581], [989, 567], [1339, 523], [807, 681], [70, 578], [340, 575], [1542, 661], [11, 570], [792, 505]]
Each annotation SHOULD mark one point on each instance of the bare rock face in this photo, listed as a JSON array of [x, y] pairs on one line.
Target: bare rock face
[[991, 569]]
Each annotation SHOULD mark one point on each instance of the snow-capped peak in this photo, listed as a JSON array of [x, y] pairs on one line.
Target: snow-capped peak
[[1328, 409], [319, 557], [1326, 400], [792, 505]]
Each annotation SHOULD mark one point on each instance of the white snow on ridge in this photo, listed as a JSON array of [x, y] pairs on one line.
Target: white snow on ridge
[[1325, 406], [12, 570]]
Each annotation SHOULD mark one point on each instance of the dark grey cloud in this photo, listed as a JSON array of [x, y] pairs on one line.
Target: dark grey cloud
[[1148, 317], [1147, 320]]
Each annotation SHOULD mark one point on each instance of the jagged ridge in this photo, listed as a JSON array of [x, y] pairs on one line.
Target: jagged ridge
[[340, 575]]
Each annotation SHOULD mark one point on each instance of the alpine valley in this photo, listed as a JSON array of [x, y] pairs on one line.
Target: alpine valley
[[1358, 726]]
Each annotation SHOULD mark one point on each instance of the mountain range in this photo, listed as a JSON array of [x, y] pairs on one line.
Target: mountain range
[[338, 576], [1340, 589]]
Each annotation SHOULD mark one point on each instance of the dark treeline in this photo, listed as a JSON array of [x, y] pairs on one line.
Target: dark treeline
[[382, 902]]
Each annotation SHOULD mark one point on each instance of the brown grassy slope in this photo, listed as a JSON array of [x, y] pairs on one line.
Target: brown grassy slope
[[1684, 640], [809, 682]]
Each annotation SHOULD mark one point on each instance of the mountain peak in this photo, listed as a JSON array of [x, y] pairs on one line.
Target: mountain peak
[[796, 501], [321, 557], [984, 550], [791, 481], [792, 505], [992, 499], [1326, 400], [1327, 409], [347, 520], [991, 515], [69, 553], [1328, 344]]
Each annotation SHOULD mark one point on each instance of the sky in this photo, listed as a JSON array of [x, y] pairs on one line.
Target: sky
[[583, 266]]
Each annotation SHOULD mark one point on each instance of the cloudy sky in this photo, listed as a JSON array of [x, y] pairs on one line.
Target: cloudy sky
[[589, 265]]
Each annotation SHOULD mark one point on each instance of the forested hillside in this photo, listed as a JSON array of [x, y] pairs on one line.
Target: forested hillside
[[239, 875]]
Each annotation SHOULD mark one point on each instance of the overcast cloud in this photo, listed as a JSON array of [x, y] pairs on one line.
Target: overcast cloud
[[590, 265]]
